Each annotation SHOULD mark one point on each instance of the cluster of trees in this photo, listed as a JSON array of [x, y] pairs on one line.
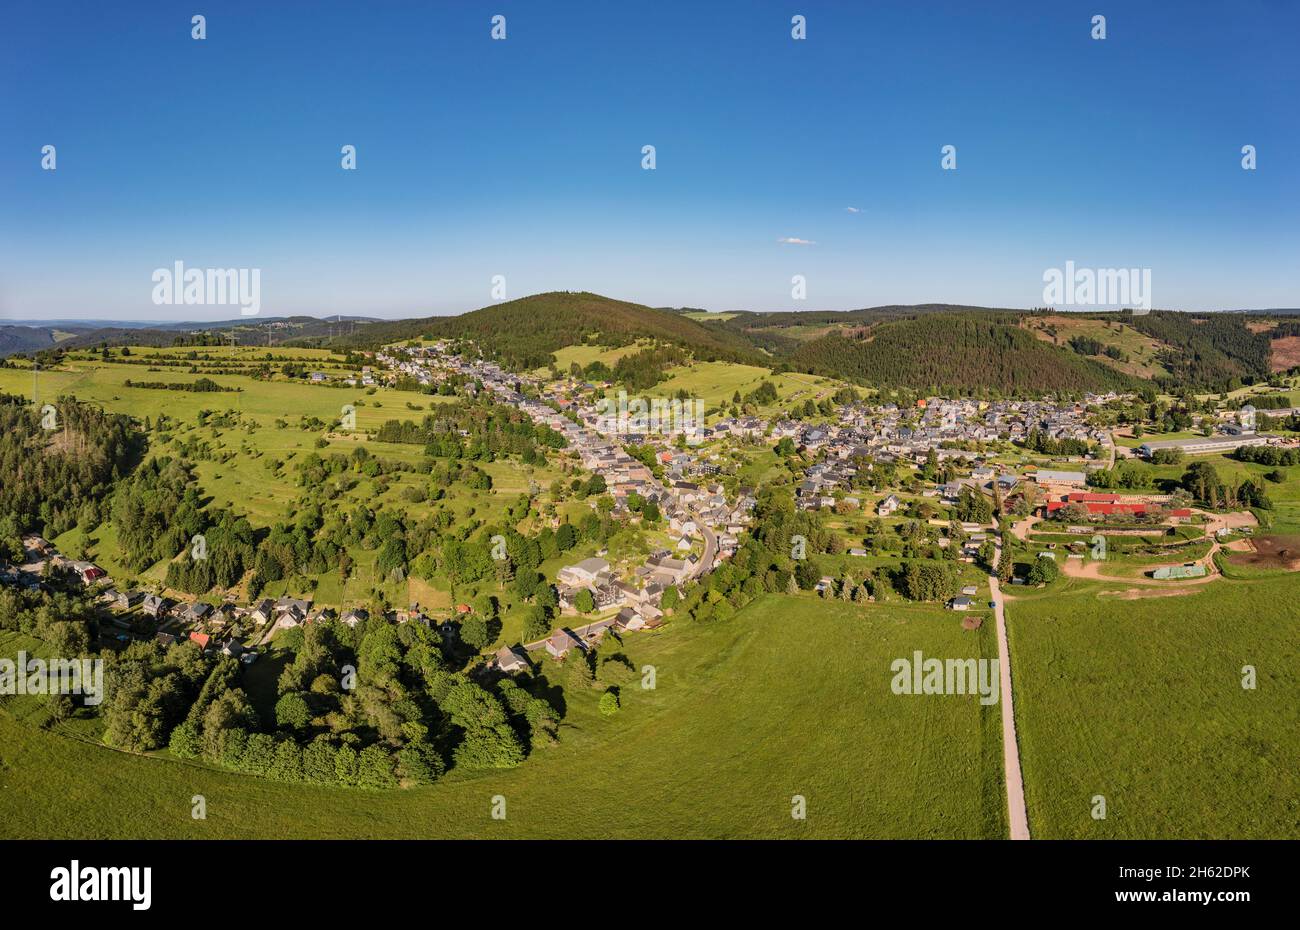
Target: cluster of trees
[[54, 477], [646, 368], [928, 580], [846, 589], [1269, 455], [374, 706], [1269, 401], [760, 396], [1038, 441], [201, 386], [1203, 482], [150, 690], [973, 507], [156, 511], [62, 617], [1087, 345], [1126, 475], [315, 469], [312, 545], [219, 558], [1168, 457], [476, 430], [1042, 571]]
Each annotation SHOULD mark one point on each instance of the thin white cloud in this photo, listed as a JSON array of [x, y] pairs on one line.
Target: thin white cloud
[[791, 240], [852, 210]]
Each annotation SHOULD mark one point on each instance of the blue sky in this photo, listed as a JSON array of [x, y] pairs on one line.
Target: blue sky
[[522, 157]]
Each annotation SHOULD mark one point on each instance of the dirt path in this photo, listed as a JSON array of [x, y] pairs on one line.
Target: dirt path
[[1018, 816], [1081, 568], [1087, 568]]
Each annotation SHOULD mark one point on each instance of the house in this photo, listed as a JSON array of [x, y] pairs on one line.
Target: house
[[263, 612], [194, 613], [629, 619], [353, 617], [584, 573], [166, 639], [154, 606], [88, 572], [202, 639], [292, 603], [888, 505], [961, 602], [970, 590], [858, 553], [233, 647], [36, 547], [292, 616], [560, 642], [511, 659]]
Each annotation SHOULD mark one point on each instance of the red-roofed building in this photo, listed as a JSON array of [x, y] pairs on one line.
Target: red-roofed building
[[201, 638], [1112, 506]]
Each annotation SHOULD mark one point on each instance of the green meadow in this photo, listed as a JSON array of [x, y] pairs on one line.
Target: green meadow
[[784, 699], [1141, 701], [265, 401]]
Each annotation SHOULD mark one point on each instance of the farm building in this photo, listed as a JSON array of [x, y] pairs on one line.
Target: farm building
[[1179, 571], [1205, 445]]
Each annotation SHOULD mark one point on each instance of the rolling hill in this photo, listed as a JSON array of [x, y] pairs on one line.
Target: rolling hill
[[525, 333], [956, 353]]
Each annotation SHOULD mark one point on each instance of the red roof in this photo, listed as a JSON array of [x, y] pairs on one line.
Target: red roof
[[462, 608], [1110, 507], [1087, 497], [201, 638]]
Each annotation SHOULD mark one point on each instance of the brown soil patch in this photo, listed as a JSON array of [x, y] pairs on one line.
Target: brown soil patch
[[1285, 353], [1133, 594], [1270, 552], [971, 623]]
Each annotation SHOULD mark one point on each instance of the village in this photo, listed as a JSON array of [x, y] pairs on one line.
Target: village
[[705, 526]]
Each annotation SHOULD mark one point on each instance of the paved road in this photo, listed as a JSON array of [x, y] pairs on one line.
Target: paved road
[[1019, 817], [705, 564]]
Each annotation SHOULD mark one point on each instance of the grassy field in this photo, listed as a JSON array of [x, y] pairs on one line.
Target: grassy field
[[716, 383], [785, 698], [1141, 701], [1141, 350], [264, 401], [708, 316], [584, 355]]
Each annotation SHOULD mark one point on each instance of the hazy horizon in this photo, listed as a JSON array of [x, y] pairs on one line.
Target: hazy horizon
[[145, 322]]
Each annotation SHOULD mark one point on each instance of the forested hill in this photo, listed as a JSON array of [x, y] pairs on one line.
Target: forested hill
[[956, 354], [523, 333], [1210, 351], [26, 339]]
